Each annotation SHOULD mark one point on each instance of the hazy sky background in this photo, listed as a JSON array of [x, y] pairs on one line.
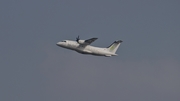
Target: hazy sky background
[[33, 68]]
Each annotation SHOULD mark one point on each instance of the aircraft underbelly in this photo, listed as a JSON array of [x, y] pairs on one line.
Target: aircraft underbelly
[[92, 51], [98, 51]]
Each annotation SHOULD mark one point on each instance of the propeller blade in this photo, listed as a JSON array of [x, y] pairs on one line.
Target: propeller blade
[[77, 39]]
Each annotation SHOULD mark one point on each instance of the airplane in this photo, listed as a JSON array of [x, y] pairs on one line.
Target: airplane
[[84, 47]]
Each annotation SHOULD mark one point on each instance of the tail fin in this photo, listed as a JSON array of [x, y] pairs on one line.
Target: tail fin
[[114, 46]]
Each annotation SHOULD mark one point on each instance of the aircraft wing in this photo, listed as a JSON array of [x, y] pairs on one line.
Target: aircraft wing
[[89, 41]]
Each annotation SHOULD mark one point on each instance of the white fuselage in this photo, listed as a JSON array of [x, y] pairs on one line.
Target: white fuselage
[[85, 49]]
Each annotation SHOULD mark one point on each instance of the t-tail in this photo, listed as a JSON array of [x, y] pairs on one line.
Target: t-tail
[[114, 46]]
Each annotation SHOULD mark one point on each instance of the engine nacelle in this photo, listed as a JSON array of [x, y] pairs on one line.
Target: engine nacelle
[[82, 42]]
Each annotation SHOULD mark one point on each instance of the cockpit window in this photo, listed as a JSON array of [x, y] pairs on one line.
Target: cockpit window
[[63, 41]]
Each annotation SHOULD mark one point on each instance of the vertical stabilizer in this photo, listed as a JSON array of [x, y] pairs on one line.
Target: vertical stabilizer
[[114, 46]]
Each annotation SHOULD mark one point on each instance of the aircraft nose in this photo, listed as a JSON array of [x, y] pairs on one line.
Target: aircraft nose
[[58, 44]]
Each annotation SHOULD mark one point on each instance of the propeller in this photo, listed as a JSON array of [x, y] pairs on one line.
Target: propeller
[[77, 39]]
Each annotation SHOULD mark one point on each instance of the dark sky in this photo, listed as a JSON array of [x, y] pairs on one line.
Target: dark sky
[[33, 68]]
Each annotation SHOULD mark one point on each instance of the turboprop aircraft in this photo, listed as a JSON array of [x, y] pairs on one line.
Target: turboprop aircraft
[[84, 47]]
